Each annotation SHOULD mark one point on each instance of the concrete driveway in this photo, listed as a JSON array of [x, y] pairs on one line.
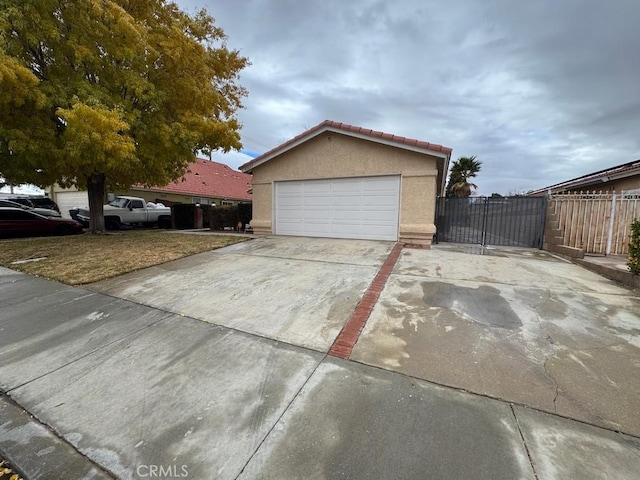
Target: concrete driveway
[[519, 325], [215, 366], [295, 290]]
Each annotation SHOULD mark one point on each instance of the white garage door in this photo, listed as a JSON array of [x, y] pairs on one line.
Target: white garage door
[[365, 208], [68, 200]]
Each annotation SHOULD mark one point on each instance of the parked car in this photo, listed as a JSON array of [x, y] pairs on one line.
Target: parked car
[[46, 212], [130, 211], [45, 202], [17, 222]]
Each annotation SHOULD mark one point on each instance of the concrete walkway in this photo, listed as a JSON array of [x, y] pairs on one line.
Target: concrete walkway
[[118, 389]]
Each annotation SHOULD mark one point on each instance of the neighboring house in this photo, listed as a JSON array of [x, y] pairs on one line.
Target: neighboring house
[[206, 182], [623, 178], [341, 181]]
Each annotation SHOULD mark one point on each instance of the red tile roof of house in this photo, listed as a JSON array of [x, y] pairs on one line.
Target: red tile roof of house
[[619, 171], [206, 178], [329, 125]]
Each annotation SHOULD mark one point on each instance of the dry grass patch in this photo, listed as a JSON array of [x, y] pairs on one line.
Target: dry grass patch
[[80, 259]]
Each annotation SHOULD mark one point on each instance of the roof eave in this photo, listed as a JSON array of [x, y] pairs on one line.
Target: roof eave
[[248, 167], [173, 192], [593, 178]]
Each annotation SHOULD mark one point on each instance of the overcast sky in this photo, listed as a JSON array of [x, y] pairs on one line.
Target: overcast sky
[[540, 91]]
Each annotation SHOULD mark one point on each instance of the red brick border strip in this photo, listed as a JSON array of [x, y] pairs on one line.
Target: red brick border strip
[[353, 328]]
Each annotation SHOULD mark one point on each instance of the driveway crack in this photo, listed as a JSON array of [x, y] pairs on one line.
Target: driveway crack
[[555, 398]]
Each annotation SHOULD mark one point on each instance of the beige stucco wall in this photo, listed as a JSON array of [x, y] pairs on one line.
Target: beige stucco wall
[[629, 183], [331, 155], [620, 184]]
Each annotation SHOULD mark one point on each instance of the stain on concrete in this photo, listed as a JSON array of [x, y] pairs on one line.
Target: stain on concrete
[[503, 252], [352, 421], [483, 304], [546, 305], [344, 300]]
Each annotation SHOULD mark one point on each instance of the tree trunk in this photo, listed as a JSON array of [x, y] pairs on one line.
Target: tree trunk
[[96, 192]]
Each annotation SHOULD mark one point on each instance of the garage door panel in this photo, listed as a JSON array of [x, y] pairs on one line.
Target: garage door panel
[[290, 203], [294, 228], [290, 217], [347, 216], [346, 228], [68, 200], [345, 202], [317, 229], [294, 188], [381, 201], [379, 218], [322, 201], [365, 208], [352, 186], [317, 216], [318, 186]]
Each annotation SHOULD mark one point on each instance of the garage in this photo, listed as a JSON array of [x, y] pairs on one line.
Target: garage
[[68, 200], [362, 207], [342, 181]]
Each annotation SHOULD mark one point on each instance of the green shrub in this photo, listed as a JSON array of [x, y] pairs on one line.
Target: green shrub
[[634, 248], [228, 216], [245, 212], [224, 217]]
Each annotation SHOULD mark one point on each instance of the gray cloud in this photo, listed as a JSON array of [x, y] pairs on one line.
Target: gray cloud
[[540, 91]]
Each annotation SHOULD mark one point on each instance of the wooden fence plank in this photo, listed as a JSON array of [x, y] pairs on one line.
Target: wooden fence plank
[[596, 222]]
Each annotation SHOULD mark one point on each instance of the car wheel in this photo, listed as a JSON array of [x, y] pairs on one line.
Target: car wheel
[[111, 224], [164, 222]]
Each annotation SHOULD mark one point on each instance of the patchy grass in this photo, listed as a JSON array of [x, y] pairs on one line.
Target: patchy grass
[[80, 259]]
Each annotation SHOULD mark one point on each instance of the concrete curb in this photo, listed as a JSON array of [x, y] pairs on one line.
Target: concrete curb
[[627, 279]]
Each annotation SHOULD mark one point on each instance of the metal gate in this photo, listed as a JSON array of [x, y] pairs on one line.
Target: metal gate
[[508, 221]]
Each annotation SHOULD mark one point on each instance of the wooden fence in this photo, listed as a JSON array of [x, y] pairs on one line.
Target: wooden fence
[[597, 222]]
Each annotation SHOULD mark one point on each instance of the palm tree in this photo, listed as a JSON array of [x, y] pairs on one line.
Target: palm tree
[[462, 170]]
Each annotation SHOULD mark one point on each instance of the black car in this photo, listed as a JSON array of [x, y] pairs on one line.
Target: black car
[[45, 202], [46, 212], [36, 202]]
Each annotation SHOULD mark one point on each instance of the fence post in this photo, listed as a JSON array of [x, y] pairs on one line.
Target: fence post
[[611, 221], [484, 221]]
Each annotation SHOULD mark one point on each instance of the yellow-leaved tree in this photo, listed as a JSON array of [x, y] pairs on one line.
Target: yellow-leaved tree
[[108, 93]]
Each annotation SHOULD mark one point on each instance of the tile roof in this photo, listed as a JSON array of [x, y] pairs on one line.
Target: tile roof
[[402, 142], [624, 170], [206, 178]]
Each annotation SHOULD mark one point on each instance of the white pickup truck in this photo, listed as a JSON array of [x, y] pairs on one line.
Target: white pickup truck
[[130, 211]]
